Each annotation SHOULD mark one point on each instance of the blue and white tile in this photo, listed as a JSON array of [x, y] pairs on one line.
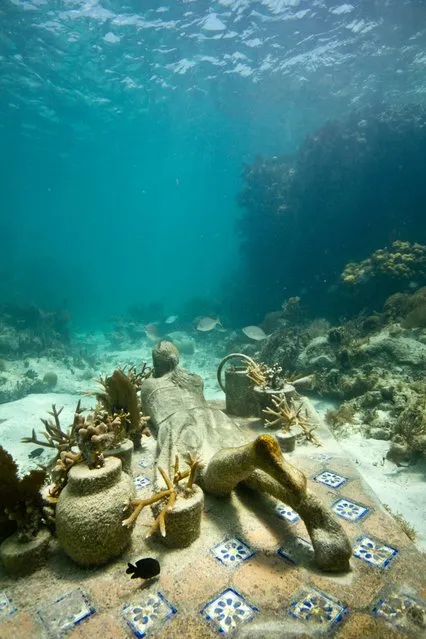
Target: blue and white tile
[[349, 510], [148, 616], [232, 552], [6, 606], [62, 614], [317, 609], [374, 552], [400, 609], [141, 482], [328, 478], [295, 549], [228, 611], [287, 513], [322, 457], [145, 462]]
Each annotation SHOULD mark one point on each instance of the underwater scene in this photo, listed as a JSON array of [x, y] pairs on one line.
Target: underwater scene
[[213, 319]]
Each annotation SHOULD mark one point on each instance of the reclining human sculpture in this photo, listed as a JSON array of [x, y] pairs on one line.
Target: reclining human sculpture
[[184, 423]]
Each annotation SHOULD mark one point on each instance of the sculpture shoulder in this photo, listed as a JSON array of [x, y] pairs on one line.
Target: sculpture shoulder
[[180, 378]]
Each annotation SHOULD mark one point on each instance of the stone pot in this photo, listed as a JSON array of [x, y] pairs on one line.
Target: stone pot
[[183, 521], [287, 441], [240, 399], [124, 452], [89, 513], [238, 388], [264, 398], [22, 558]]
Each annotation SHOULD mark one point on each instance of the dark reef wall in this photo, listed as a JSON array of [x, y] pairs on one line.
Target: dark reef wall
[[353, 187]]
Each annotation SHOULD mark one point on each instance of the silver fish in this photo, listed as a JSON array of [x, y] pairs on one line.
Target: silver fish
[[254, 332], [207, 323]]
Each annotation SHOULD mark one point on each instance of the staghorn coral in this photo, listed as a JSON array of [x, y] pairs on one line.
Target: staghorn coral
[[54, 436], [286, 416], [20, 498], [170, 493], [268, 377], [92, 434]]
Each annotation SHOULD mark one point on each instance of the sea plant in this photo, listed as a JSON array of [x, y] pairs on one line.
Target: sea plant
[[411, 425], [405, 525], [54, 436], [119, 396], [91, 435], [20, 498], [343, 415], [286, 416], [267, 377], [168, 495]]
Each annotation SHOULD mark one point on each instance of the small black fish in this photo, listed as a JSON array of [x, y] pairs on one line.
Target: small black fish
[[144, 569], [36, 453]]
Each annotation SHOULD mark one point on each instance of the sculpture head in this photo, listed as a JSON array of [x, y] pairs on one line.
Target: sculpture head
[[165, 358]]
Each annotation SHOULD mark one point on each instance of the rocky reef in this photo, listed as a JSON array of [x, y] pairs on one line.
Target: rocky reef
[[370, 366], [351, 186]]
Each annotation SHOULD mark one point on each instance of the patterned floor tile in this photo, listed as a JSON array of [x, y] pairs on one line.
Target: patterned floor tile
[[141, 482], [287, 513], [296, 549], [374, 552], [228, 611], [319, 610], [64, 613], [145, 462], [322, 457], [232, 552], [349, 510], [149, 615], [401, 609], [328, 478], [6, 607]]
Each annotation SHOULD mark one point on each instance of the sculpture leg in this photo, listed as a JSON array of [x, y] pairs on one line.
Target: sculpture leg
[[230, 466], [261, 466], [332, 548]]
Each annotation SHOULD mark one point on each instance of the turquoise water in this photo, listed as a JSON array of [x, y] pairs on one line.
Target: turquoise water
[[125, 128]]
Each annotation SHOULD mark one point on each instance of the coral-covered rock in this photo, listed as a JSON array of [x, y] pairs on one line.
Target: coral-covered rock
[[318, 355], [385, 350]]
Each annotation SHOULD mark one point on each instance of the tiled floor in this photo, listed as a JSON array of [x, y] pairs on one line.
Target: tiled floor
[[252, 565]]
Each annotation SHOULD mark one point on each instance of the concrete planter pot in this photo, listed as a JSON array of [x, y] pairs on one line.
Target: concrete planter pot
[[89, 513], [287, 441], [240, 399], [237, 386], [22, 558], [123, 452], [264, 398], [183, 521]]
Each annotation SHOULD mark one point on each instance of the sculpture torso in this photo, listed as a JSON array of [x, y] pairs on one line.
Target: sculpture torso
[[182, 420]]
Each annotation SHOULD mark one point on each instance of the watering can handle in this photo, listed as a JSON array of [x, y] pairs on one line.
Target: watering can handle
[[242, 356]]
